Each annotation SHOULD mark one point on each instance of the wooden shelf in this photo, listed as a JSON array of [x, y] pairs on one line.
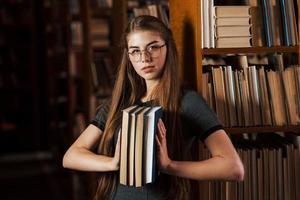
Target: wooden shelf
[[262, 129], [107, 50], [282, 49], [99, 12]]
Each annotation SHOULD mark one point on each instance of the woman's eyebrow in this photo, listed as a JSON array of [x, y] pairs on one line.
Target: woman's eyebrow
[[155, 41]]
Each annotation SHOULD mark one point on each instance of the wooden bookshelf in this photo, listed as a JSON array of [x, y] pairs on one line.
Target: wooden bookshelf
[[262, 129], [249, 50], [186, 26], [185, 18], [20, 101]]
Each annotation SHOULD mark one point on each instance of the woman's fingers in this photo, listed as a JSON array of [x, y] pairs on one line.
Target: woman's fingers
[[161, 128], [158, 142]]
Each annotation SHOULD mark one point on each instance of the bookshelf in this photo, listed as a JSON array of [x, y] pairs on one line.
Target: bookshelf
[[53, 34], [185, 22], [257, 156], [20, 101]]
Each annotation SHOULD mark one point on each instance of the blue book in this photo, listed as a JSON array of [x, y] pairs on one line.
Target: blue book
[[285, 22], [269, 30]]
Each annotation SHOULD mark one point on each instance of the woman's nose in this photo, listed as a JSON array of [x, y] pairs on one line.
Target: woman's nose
[[145, 56]]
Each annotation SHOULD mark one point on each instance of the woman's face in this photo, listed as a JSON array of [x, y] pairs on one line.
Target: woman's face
[[147, 53]]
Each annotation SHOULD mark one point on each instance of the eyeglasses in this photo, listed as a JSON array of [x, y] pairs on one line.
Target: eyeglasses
[[152, 50]]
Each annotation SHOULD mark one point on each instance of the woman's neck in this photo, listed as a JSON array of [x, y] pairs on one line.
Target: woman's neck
[[150, 85]]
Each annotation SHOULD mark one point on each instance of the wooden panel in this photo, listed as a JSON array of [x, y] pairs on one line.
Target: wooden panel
[[185, 24], [119, 18]]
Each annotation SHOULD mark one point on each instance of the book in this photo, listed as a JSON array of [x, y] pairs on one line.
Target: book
[[138, 162], [230, 42], [124, 143], [232, 21], [149, 159], [138, 157], [233, 31], [232, 11], [131, 148]]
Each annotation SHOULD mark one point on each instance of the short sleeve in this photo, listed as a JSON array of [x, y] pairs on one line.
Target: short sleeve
[[100, 117], [198, 119]]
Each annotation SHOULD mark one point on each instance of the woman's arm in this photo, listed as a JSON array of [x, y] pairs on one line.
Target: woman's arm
[[80, 157], [225, 163]]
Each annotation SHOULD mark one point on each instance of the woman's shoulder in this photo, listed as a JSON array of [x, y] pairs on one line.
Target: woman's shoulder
[[189, 97], [104, 105]]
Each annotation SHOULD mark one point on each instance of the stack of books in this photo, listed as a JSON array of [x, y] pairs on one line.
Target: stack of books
[[232, 26], [138, 153]]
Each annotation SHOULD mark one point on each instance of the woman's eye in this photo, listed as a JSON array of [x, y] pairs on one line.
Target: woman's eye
[[135, 51], [153, 48]]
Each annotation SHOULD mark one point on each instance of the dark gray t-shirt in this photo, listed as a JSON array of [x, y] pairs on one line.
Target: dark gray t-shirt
[[197, 118], [198, 121]]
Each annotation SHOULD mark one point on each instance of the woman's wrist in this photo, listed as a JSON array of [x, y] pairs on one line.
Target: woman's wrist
[[168, 167], [114, 164]]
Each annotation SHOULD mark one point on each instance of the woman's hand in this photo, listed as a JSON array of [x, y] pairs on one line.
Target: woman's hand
[[162, 150], [116, 158]]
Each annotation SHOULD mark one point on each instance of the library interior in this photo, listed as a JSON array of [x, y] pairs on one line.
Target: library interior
[[58, 63]]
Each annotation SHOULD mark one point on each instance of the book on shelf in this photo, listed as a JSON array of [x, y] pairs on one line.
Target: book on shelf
[[233, 42], [267, 14], [207, 24], [138, 148], [233, 31], [76, 33], [232, 11], [257, 30], [232, 21]]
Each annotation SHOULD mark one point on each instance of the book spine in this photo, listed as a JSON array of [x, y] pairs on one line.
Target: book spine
[[284, 22], [267, 24]]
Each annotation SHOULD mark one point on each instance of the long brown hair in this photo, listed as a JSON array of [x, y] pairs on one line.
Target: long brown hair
[[129, 88]]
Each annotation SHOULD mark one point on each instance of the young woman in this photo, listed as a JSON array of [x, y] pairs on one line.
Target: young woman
[[148, 75]]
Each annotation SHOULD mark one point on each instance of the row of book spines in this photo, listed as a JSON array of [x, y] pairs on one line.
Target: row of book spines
[[267, 28], [74, 5], [103, 76], [270, 173], [99, 32], [281, 22], [253, 97], [156, 10]]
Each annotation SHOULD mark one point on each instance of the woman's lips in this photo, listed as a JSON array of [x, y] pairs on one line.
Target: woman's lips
[[148, 69]]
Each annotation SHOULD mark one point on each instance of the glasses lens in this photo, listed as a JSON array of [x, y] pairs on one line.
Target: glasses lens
[[136, 57], [152, 51]]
